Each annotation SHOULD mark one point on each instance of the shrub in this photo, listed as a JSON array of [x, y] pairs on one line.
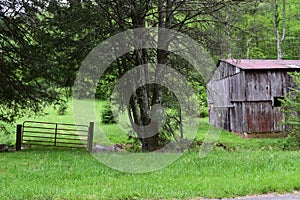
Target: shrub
[[61, 106], [203, 112], [107, 115], [291, 108], [5, 136]]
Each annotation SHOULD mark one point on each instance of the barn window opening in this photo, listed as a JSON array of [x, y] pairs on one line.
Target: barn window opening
[[278, 101]]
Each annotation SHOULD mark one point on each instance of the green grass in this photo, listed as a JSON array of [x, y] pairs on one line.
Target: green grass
[[112, 132], [74, 174], [246, 166], [235, 142]]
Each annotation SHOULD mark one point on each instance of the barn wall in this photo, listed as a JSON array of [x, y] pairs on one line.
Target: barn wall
[[258, 86], [219, 90], [251, 93], [220, 118], [262, 85], [261, 90]]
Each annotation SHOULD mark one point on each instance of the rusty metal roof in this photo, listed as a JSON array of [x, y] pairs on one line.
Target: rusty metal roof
[[264, 64]]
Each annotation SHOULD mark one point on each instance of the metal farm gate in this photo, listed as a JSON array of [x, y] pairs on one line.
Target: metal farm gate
[[55, 134]]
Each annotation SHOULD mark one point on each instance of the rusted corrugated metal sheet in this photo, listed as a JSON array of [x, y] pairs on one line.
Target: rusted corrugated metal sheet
[[264, 64], [259, 117]]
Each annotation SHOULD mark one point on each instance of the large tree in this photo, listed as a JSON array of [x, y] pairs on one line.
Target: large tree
[[25, 73], [191, 17]]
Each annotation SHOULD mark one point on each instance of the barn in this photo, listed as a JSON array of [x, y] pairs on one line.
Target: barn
[[244, 95]]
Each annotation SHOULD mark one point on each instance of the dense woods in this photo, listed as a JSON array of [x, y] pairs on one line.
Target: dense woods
[[44, 42]]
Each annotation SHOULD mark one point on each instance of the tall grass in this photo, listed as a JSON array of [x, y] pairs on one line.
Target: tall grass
[[73, 174]]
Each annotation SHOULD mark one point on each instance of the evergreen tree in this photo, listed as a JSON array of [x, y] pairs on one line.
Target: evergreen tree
[[291, 105]]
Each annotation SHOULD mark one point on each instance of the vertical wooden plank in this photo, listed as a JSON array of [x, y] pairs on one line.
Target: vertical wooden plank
[[243, 120], [278, 120], [243, 85], [231, 118], [90, 137], [237, 118], [19, 137]]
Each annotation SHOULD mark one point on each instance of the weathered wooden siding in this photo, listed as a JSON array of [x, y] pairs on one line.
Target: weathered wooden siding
[[219, 91], [237, 87], [236, 117], [225, 70], [278, 119], [276, 79], [219, 117], [258, 86], [266, 86]]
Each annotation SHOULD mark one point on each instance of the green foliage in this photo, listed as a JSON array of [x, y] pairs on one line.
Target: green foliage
[[107, 116], [42, 45], [291, 105], [292, 142], [61, 107], [3, 130], [249, 30], [203, 112], [256, 53], [106, 83], [5, 136]]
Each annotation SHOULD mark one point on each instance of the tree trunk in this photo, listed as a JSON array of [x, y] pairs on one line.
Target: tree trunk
[[164, 21], [140, 104], [279, 37]]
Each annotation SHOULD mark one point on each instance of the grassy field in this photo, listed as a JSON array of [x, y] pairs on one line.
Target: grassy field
[[236, 168], [74, 174]]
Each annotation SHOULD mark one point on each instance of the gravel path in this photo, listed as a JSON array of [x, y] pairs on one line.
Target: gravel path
[[292, 196], [269, 197]]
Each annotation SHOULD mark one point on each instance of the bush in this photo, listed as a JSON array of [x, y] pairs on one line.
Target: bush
[[5, 136], [61, 106], [203, 112], [107, 115], [291, 108]]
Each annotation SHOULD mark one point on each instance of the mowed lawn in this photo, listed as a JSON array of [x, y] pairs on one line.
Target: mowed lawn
[[235, 167]]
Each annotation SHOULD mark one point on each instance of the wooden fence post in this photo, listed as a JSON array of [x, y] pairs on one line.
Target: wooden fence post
[[19, 137], [55, 136], [90, 137]]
